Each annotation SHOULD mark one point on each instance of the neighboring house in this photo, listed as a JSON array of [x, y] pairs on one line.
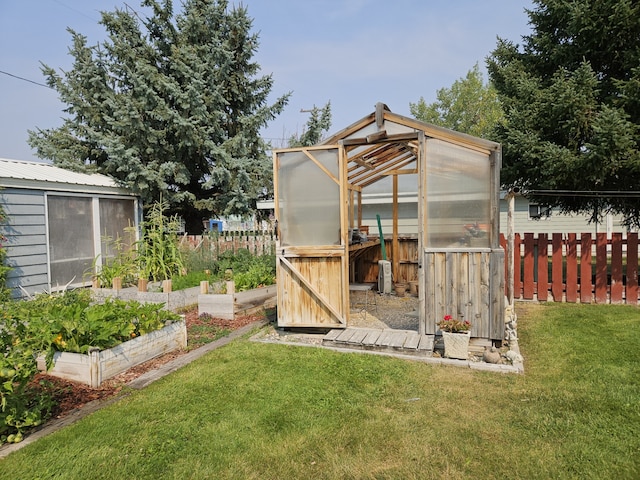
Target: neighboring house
[[529, 217], [59, 223]]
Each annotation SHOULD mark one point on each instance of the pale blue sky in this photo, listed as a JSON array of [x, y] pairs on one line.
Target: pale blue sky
[[352, 52]]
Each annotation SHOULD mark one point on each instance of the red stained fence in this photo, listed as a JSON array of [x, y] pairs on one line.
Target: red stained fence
[[565, 267]]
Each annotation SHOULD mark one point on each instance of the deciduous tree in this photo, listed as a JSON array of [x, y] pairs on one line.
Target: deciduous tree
[[469, 106]]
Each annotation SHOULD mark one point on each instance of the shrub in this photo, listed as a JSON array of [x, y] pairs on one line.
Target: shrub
[[20, 407]]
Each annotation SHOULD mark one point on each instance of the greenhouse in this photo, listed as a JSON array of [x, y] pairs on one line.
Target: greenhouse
[[447, 243]]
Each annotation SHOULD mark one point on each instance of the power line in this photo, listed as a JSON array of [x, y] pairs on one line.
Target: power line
[[25, 79], [586, 193]]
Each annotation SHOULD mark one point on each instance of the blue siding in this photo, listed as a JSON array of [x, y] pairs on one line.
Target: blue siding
[[25, 231]]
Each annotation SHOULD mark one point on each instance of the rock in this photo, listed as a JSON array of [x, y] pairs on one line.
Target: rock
[[513, 356], [491, 355]]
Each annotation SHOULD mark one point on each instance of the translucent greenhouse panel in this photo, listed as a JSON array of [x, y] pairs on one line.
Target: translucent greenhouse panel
[[116, 218], [458, 196], [308, 199], [71, 249]]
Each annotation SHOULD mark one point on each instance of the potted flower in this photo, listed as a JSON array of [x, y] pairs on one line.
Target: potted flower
[[455, 334]]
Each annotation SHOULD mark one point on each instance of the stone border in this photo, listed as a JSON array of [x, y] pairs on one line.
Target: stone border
[[309, 341]]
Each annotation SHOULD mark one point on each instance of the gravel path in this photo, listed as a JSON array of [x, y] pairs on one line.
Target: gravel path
[[388, 311]]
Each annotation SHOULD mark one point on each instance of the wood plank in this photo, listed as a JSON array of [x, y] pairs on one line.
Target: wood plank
[[371, 338], [412, 340], [426, 343], [543, 266], [556, 267], [483, 296], [359, 335], [428, 324], [389, 139], [517, 281], [496, 294], [616, 268], [586, 286], [385, 338], [631, 291], [601, 268], [345, 336], [397, 339], [572, 268], [332, 334], [528, 290]]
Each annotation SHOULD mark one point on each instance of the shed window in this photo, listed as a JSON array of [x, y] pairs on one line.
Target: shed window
[[71, 248], [79, 228], [116, 220]]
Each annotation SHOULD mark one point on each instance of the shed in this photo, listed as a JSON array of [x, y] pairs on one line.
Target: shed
[[453, 254], [58, 223]]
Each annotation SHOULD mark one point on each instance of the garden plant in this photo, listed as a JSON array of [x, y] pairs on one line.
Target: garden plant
[[50, 323]]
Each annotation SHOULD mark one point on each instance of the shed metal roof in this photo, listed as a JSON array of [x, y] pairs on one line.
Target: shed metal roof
[[43, 176]]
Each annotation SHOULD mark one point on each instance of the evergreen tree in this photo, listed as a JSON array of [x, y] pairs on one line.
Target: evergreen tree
[[319, 122], [171, 105], [469, 106], [571, 95]]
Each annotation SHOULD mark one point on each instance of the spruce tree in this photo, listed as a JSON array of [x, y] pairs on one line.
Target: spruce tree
[[171, 105], [319, 123], [571, 94]]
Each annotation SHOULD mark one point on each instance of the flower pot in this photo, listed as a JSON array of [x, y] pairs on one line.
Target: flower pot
[[413, 288], [456, 345], [400, 288]]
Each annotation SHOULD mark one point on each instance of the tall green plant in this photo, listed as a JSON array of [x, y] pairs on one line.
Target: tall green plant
[[5, 293], [159, 256], [122, 264]]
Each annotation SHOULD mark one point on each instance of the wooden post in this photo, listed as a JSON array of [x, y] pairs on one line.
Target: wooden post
[[142, 284], [510, 244], [166, 286], [396, 247], [204, 287]]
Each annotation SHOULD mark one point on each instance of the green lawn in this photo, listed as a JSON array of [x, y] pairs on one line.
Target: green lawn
[[262, 411]]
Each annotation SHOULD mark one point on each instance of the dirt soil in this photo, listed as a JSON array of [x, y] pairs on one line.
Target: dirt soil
[[69, 396]]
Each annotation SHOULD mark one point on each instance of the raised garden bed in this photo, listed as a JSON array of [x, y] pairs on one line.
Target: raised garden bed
[[99, 365], [227, 306], [171, 300]]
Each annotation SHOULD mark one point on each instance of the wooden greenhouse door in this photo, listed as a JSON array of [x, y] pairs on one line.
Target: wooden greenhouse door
[[310, 192]]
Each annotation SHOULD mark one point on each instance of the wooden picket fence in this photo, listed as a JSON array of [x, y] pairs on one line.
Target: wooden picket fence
[[575, 268], [257, 242], [561, 267]]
